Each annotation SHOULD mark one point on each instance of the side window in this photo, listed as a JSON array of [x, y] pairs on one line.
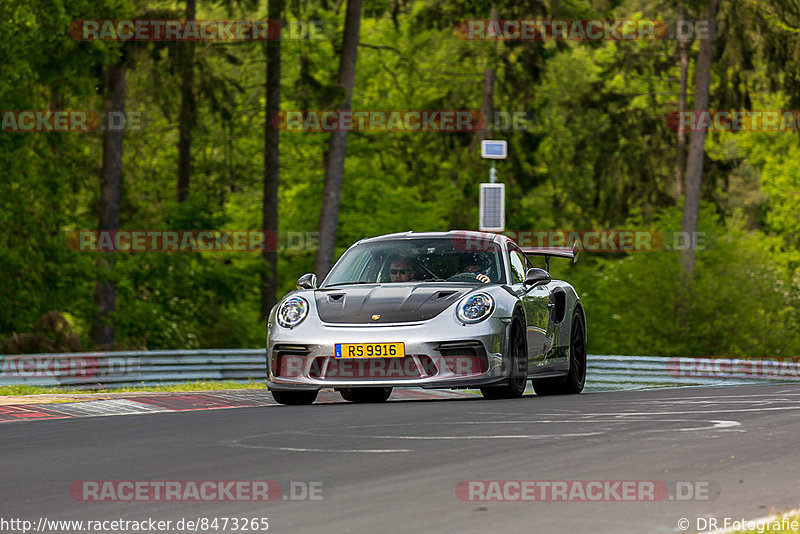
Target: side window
[[518, 266]]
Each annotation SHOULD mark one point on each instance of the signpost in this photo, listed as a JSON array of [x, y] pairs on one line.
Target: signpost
[[492, 204]]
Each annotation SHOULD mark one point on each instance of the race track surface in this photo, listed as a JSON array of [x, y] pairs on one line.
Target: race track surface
[[395, 467]]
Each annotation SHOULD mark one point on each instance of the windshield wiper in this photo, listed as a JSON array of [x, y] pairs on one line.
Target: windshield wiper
[[347, 284], [435, 280]]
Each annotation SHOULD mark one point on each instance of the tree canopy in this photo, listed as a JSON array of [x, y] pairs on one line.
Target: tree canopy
[[590, 147]]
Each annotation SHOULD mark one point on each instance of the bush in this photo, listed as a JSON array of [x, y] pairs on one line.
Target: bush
[[740, 303]]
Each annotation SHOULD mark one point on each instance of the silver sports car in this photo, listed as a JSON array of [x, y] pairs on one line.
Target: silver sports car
[[435, 310]]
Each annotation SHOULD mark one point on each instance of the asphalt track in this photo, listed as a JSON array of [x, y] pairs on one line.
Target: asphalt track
[[395, 467]]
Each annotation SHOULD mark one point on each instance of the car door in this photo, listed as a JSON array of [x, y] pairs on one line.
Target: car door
[[535, 302]]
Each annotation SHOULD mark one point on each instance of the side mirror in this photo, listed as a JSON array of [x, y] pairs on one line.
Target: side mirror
[[536, 277], [307, 281]]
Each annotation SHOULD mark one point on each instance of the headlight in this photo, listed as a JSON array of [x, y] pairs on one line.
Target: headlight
[[292, 312], [475, 308]]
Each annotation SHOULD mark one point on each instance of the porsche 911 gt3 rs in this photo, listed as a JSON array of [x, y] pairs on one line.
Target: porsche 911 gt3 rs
[[451, 310]]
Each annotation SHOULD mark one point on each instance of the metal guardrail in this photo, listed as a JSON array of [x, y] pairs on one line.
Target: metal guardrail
[[126, 368], [637, 372]]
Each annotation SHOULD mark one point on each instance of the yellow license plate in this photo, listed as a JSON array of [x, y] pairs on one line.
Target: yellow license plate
[[370, 350]]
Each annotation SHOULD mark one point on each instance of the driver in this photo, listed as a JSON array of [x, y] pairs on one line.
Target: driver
[[473, 264], [400, 270]]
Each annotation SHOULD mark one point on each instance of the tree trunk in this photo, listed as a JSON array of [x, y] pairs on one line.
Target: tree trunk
[[188, 110], [334, 160], [697, 139], [110, 178], [680, 161], [489, 74], [271, 161]]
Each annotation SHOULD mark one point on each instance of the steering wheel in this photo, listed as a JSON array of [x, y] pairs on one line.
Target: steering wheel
[[464, 277]]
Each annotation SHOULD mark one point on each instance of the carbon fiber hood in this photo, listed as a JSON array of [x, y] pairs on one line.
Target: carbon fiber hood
[[394, 303]]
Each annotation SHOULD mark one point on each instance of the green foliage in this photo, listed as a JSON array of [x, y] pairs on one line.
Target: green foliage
[[740, 303], [596, 154]]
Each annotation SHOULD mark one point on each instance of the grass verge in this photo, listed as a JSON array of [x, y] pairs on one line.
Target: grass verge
[[779, 524]]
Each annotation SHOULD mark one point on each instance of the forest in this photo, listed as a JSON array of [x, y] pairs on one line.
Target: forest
[[190, 135]]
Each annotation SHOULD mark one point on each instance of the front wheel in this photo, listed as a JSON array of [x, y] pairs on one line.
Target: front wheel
[[366, 395], [294, 398], [518, 372], [576, 378]]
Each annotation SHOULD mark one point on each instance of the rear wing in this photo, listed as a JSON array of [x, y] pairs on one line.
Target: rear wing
[[550, 252]]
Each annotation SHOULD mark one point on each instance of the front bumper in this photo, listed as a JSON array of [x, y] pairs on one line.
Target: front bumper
[[440, 353]]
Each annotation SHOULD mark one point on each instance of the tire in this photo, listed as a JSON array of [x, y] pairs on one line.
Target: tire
[[576, 378], [518, 378], [366, 395], [294, 398]]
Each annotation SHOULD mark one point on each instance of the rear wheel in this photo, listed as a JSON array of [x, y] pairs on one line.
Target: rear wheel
[[517, 379], [294, 398], [366, 395], [576, 378]]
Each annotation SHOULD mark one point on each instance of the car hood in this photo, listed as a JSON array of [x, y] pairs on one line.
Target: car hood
[[387, 303]]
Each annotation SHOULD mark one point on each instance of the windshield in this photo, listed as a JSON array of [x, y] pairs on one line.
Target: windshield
[[417, 260]]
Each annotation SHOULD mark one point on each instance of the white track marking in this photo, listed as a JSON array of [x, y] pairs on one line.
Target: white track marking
[[715, 425], [653, 414], [296, 449], [694, 412], [738, 397], [718, 425], [527, 421], [237, 443], [509, 436]]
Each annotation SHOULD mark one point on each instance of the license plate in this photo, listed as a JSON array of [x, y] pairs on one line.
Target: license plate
[[370, 350]]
